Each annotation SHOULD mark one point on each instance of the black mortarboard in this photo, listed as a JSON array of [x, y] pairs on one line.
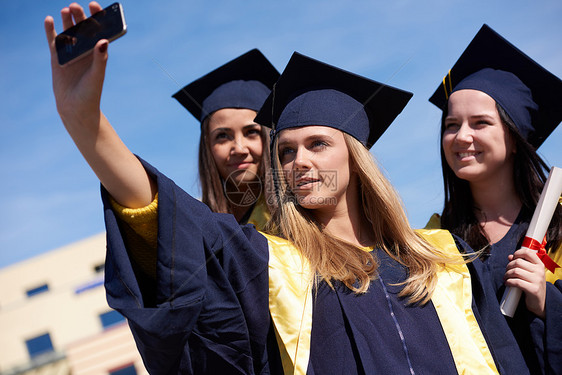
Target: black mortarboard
[[310, 92], [525, 90], [244, 82]]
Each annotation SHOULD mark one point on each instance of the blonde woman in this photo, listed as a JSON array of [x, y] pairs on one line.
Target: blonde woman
[[340, 285]]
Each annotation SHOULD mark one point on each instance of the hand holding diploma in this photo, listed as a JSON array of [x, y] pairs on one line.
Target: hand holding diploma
[[534, 241]]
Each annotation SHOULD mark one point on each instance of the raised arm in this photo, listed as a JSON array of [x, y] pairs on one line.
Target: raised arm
[[77, 87]]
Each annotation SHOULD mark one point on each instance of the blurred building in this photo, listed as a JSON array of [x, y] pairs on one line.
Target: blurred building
[[54, 318]]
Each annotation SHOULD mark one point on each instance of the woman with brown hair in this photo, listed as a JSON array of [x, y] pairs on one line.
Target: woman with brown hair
[[233, 149], [498, 107]]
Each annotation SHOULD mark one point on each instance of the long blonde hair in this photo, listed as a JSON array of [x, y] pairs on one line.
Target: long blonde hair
[[334, 259]]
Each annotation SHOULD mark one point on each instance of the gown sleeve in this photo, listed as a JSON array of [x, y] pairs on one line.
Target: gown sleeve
[[207, 310], [544, 355], [547, 334], [494, 326], [553, 321]]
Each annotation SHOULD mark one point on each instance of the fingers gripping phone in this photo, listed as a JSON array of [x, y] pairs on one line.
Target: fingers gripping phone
[[80, 39]]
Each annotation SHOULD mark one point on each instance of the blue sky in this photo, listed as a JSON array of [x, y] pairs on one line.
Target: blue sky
[[51, 197]]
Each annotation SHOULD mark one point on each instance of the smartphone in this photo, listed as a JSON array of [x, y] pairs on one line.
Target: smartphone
[[80, 39]]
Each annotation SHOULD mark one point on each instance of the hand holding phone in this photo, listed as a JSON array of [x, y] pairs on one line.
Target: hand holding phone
[[80, 39]]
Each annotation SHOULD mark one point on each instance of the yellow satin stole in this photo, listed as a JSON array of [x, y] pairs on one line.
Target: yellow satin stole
[[290, 305]]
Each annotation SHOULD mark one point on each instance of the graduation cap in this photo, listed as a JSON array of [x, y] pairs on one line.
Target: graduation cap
[[244, 82], [310, 92], [525, 90]]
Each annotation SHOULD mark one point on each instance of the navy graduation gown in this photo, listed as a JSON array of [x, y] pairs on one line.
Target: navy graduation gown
[[495, 328], [540, 341], [375, 333], [208, 310]]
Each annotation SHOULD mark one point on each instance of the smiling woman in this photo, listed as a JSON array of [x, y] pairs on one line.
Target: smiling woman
[[476, 144], [236, 143], [232, 160], [498, 107]]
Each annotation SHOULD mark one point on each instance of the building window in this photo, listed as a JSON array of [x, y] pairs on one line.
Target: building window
[[97, 282], [37, 290], [111, 318], [128, 370], [99, 268], [39, 345]]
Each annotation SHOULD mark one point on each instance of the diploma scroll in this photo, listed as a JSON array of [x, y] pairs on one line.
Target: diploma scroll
[[542, 216]]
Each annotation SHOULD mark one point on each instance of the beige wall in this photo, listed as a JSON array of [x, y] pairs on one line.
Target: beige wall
[[109, 350], [67, 316]]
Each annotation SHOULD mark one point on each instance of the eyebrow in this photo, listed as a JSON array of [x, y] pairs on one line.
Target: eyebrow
[[473, 117], [220, 129], [227, 129], [482, 116], [312, 136]]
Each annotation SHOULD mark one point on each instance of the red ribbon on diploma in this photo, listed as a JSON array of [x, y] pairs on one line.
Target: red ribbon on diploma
[[540, 248]]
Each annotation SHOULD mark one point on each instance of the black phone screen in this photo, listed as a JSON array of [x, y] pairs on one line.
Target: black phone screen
[[108, 23]]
